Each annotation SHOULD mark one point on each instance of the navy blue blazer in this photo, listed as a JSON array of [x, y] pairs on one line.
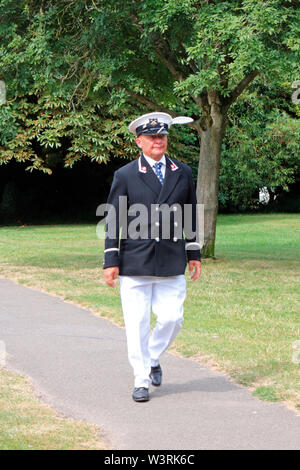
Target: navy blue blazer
[[152, 252]]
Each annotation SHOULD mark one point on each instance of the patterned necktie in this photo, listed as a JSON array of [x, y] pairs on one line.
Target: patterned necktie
[[157, 167]]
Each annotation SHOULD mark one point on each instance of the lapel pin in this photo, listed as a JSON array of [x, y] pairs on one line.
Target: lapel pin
[[173, 167]]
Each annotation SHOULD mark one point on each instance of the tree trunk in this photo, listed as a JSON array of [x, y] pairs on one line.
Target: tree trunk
[[211, 131]]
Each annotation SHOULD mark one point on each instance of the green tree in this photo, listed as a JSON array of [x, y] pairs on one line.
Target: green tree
[[50, 107], [191, 56], [260, 147]]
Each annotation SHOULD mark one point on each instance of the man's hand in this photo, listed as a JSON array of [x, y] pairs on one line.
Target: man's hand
[[195, 269], [110, 275]]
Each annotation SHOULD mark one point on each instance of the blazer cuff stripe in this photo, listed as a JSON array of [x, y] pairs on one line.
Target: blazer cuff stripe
[[111, 249], [192, 243]]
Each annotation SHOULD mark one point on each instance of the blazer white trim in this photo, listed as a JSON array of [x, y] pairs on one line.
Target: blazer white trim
[[142, 169], [192, 243], [173, 166]]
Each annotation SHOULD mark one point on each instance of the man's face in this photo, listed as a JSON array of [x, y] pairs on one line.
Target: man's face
[[154, 146]]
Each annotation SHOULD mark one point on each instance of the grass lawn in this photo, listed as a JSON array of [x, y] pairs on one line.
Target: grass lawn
[[28, 424], [241, 318]]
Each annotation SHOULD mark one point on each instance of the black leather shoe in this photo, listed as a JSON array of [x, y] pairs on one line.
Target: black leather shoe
[[140, 394], [155, 375]]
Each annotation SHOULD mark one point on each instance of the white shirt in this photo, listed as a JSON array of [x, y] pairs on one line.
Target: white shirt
[[152, 163]]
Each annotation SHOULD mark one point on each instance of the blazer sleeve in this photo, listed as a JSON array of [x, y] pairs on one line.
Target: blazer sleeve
[[113, 223], [192, 245]]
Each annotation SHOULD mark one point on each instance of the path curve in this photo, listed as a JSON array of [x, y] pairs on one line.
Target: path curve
[[78, 362]]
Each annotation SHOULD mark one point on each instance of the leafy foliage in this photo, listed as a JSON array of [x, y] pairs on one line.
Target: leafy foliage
[[78, 71], [260, 149]]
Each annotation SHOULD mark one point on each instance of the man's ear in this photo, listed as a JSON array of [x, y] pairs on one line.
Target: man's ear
[[139, 142]]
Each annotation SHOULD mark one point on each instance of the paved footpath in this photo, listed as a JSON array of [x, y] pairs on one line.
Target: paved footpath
[[78, 363]]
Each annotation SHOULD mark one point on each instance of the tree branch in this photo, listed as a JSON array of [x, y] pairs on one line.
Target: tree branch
[[239, 89], [162, 49], [191, 64], [149, 104], [167, 62]]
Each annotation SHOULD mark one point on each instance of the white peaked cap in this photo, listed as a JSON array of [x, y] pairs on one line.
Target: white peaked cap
[[155, 123]]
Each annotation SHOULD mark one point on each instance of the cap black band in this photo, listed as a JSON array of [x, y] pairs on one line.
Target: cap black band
[[150, 129]]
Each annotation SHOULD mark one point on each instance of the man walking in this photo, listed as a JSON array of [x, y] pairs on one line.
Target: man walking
[[149, 199]]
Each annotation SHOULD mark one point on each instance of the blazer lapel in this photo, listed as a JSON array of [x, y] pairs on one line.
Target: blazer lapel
[[148, 176], [172, 175]]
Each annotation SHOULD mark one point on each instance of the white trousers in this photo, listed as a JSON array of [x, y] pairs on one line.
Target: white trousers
[[165, 296]]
